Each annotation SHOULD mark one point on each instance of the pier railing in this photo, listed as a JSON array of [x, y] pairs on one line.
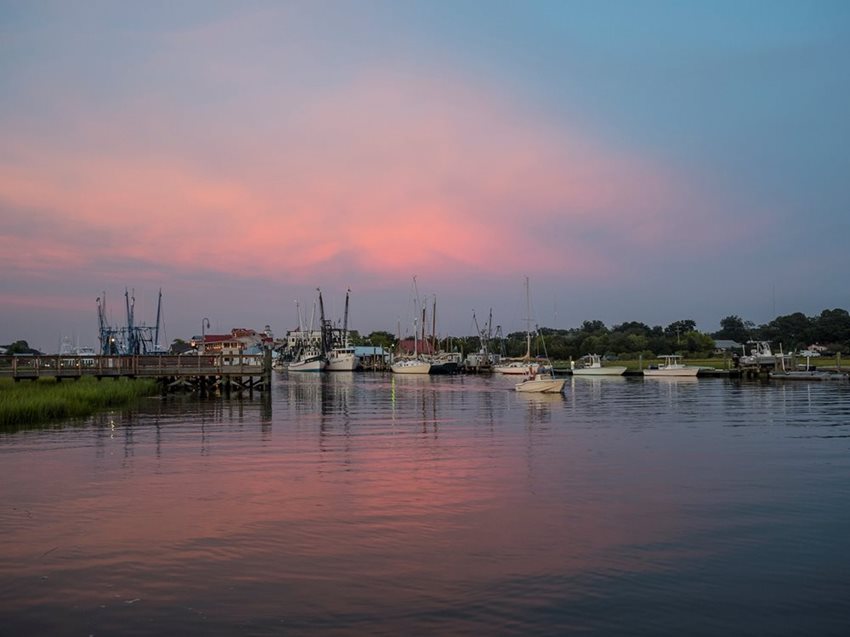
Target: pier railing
[[148, 366]]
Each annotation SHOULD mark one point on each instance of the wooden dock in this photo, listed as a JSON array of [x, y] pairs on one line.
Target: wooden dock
[[206, 373]]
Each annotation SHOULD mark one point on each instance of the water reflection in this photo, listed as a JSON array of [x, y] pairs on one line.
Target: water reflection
[[381, 504]]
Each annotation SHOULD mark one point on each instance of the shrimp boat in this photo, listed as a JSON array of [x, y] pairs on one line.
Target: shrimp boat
[[341, 357]]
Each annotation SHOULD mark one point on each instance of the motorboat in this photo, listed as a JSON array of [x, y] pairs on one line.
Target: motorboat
[[541, 383], [760, 355], [671, 367], [591, 365]]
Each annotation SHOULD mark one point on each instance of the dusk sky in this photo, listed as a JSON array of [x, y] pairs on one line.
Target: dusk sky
[[647, 161]]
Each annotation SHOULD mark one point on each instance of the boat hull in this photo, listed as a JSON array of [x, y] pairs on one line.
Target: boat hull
[[519, 369], [343, 363], [810, 375], [309, 365], [545, 385], [599, 371], [671, 372], [411, 367]]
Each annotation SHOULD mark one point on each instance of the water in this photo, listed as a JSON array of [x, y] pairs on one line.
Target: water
[[372, 504]]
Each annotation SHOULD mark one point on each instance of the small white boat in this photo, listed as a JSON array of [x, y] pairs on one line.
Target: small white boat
[[591, 365], [671, 367], [760, 355], [411, 366], [542, 383]]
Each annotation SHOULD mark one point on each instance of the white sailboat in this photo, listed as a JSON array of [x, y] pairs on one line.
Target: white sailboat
[[519, 367], [540, 378], [416, 364]]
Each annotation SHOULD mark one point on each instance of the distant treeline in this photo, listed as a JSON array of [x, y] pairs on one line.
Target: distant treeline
[[831, 329]]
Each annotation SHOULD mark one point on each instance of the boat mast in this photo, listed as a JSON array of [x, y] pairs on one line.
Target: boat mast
[[158, 315], [527, 321], [434, 327], [345, 320]]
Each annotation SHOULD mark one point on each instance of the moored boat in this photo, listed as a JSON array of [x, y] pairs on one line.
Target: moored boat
[[342, 359], [411, 366], [542, 383], [308, 361], [591, 365], [671, 367]]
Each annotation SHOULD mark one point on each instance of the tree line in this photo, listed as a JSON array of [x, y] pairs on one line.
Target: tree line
[[830, 329]]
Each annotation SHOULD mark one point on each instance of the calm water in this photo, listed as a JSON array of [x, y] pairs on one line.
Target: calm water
[[372, 504]]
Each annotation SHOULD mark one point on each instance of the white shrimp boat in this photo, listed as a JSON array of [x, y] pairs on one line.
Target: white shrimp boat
[[308, 361], [671, 367], [342, 359]]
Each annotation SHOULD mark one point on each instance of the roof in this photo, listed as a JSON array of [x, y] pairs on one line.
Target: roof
[[727, 344]]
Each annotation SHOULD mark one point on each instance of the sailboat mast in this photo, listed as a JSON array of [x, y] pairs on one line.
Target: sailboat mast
[[527, 320], [434, 327], [158, 315], [345, 320], [423, 325]]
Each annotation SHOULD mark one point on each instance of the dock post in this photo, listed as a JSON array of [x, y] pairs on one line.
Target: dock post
[[267, 369]]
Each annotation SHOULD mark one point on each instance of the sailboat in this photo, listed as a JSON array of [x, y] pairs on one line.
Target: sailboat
[[540, 378], [519, 367], [417, 364]]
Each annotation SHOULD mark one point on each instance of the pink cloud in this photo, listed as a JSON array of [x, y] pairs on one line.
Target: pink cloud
[[386, 173]]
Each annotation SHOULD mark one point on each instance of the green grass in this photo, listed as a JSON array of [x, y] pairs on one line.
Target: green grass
[[45, 400]]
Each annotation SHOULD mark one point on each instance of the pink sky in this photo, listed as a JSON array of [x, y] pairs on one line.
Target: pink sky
[[241, 159]]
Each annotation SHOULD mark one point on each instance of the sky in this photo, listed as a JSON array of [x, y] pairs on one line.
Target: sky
[[638, 161]]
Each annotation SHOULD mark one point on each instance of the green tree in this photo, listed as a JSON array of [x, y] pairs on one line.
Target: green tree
[[380, 339], [19, 347], [677, 329], [733, 328]]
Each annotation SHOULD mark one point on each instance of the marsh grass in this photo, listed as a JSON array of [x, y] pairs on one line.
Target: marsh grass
[[45, 400]]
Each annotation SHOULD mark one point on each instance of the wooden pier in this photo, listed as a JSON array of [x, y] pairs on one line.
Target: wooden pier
[[206, 373]]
